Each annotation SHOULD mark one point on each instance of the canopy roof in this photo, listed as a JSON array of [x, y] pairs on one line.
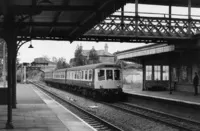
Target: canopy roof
[[56, 19], [65, 19]]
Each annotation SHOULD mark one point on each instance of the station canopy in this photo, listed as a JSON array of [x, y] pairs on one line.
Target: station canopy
[[57, 19], [65, 19]]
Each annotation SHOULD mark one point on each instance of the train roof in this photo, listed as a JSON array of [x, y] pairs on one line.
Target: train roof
[[92, 66]]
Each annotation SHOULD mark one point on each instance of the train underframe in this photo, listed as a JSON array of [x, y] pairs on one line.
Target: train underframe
[[97, 94]]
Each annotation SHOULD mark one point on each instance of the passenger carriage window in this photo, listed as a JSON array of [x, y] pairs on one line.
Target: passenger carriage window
[[86, 72], [109, 74], [117, 74], [90, 74], [82, 75], [101, 75]]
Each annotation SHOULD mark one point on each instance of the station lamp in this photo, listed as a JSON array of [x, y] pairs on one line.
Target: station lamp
[[30, 46]]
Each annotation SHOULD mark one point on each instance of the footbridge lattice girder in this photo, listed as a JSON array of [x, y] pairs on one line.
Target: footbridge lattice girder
[[146, 27]]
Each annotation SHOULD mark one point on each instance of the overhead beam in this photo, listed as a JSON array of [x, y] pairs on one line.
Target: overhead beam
[[24, 9], [45, 24], [95, 16], [57, 15]]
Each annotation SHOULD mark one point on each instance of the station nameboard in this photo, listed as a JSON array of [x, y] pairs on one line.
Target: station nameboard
[[146, 51]]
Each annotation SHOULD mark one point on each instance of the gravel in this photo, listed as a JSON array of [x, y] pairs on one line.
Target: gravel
[[126, 121]]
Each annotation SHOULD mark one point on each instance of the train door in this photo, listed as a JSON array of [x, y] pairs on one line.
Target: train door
[[99, 78]]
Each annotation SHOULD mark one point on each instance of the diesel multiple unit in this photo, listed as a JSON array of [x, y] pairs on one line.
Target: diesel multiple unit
[[96, 80]]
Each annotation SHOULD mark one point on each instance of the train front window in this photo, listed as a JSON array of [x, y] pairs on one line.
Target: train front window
[[117, 74], [101, 75], [109, 74]]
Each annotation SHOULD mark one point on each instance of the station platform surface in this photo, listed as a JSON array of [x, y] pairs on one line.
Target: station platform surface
[[176, 96], [36, 111]]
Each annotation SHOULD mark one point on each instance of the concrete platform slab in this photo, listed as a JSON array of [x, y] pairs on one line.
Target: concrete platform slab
[[36, 111], [176, 96]]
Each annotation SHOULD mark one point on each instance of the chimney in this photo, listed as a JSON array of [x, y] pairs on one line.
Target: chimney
[[106, 48]]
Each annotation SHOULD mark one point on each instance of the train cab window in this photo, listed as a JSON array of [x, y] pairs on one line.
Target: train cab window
[[148, 72], [101, 75], [90, 74], [157, 72], [117, 74], [165, 73], [109, 74]]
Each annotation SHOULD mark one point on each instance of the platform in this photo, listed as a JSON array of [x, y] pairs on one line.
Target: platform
[[36, 111], [176, 96]]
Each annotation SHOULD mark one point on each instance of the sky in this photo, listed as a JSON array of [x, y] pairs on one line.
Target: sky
[[65, 49]]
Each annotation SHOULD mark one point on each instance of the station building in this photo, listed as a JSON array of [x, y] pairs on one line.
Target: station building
[[166, 66]]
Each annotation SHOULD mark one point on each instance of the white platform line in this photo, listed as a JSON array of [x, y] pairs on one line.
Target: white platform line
[[42, 95]]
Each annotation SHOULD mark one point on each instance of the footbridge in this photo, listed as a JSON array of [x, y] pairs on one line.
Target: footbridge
[[145, 28]]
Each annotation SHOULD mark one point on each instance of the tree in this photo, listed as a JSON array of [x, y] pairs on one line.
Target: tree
[[62, 63], [54, 59], [93, 56], [79, 58], [46, 58]]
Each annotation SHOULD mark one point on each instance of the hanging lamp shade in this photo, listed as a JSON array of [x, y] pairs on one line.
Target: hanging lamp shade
[[30, 46]]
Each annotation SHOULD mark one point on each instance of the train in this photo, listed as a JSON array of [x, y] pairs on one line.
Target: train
[[99, 81]]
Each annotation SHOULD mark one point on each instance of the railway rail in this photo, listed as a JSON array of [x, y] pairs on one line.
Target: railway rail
[[96, 122], [168, 119]]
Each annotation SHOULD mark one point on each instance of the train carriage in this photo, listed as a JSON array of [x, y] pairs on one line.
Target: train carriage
[[103, 79]]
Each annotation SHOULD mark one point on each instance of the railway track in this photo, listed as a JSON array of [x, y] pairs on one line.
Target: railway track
[[93, 120], [168, 119]]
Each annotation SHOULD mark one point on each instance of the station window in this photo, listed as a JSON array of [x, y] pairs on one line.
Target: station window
[[157, 72], [109, 74], [101, 75], [148, 72], [117, 74], [165, 73], [90, 74]]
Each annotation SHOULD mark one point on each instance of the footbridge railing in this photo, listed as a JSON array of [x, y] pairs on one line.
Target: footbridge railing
[[146, 26]]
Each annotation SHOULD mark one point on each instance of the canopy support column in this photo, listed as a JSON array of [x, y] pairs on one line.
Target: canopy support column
[[10, 38], [189, 17], [122, 18], [170, 76], [136, 17], [14, 97], [143, 75], [170, 16]]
